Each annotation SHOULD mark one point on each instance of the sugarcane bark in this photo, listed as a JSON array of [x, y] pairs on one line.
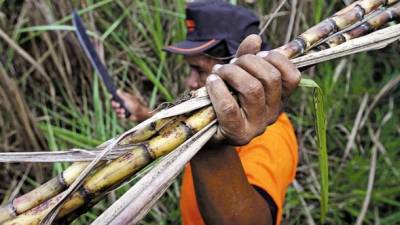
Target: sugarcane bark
[[123, 167], [322, 30], [57, 184], [42, 193], [382, 17]]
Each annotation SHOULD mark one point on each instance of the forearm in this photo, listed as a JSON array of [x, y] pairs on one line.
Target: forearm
[[223, 193]]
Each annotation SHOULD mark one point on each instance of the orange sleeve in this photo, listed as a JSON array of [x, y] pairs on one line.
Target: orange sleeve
[[269, 162]]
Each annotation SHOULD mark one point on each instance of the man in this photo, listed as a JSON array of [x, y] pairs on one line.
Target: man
[[225, 184]]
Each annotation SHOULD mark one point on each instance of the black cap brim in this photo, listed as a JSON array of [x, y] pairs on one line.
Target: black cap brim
[[191, 47]]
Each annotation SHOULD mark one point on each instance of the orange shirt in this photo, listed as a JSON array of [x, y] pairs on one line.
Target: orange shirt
[[269, 161]]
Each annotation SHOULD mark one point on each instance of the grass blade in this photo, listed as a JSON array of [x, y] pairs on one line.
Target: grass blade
[[320, 125]]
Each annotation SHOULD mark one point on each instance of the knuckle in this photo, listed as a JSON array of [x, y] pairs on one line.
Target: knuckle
[[229, 108], [254, 89], [245, 59], [296, 77], [275, 73], [226, 69], [274, 76], [278, 55]]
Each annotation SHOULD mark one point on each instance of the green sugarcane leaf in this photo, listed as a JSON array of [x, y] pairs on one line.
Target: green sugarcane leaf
[[320, 125], [69, 136]]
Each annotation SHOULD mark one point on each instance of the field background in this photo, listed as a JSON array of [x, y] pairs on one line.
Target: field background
[[50, 98]]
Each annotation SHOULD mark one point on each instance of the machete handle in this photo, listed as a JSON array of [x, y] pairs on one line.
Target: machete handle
[[122, 104]]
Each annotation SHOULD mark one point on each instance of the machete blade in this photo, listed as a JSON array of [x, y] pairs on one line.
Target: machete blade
[[95, 60]]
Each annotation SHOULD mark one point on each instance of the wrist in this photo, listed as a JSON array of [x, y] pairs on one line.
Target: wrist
[[142, 113], [214, 151]]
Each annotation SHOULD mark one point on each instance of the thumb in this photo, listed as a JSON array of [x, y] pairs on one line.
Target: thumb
[[123, 95], [250, 45], [120, 92]]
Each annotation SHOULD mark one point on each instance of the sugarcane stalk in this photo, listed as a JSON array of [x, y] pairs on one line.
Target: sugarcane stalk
[[337, 22], [372, 24], [118, 170], [81, 210], [67, 177], [42, 193]]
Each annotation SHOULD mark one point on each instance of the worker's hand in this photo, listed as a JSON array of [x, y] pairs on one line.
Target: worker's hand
[[139, 111], [263, 82]]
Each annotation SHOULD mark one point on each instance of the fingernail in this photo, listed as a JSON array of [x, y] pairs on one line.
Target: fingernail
[[263, 54], [216, 68], [212, 78], [233, 61]]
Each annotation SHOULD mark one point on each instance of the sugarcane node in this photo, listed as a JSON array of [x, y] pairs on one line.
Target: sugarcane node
[[322, 46], [171, 124], [301, 44], [342, 38], [189, 128], [153, 125], [12, 208], [7, 212], [334, 27], [148, 152], [86, 194], [361, 12], [62, 181], [366, 28], [318, 32], [80, 210], [391, 14], [156, 126], [37, 196], [290, 50], [146, 132], [361, 30]]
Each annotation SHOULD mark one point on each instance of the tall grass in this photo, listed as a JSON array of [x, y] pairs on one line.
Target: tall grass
[[67, 105]]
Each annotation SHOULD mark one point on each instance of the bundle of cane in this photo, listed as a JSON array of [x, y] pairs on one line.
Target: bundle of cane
[[186, 125]]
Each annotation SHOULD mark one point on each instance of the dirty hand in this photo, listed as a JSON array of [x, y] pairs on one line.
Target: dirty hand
[[139, 111], [263, 81]]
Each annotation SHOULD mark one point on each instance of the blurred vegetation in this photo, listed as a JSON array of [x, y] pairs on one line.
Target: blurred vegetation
[[50, 98]]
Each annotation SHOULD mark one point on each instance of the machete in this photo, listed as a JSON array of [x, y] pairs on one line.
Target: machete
[[95, 60]]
